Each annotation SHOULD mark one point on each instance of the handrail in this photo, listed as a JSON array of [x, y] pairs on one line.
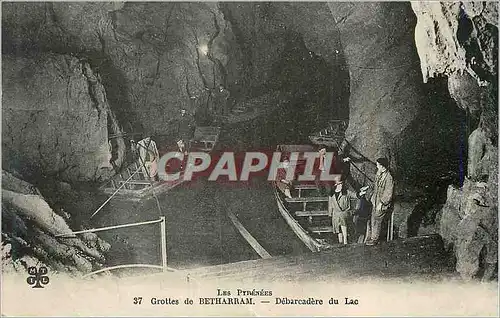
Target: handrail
[[110, 227], [127, 266], [358, 152], [363, 173], [163, 232]]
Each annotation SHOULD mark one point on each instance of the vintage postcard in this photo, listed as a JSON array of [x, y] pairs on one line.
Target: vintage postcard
[[249, 159]]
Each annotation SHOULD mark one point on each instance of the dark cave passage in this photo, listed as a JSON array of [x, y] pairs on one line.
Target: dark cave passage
[[317, 92]]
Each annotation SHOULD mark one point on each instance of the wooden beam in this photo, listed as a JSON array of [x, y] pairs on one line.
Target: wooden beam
[[312, 213], [307, 199], [248, 237]]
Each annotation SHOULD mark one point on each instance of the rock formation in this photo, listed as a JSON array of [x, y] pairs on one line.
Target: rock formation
[[29, 229], [460, 40], [55, 119]]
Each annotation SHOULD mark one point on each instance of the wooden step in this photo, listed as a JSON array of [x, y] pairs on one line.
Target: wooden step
[[305, 186], [312, 213], [321, 229], [307, 199], [302, 187]]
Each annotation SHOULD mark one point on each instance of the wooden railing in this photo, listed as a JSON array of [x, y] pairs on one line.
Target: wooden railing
[[163, 238]]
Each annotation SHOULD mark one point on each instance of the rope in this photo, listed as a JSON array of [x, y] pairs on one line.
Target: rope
[[364, 174], [362, 156], [114, 193], [359, 153]]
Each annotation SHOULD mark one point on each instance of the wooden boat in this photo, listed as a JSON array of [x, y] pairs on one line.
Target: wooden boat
[[305, 213], [332, 136], [133, 182]]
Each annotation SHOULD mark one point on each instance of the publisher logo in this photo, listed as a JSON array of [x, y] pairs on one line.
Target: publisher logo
[[38, 277]]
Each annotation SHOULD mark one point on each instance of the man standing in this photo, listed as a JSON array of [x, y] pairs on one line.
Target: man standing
[[282, 182], [148, 158], [381, 199], [223, 100], [342, 203], [185, 128], [320, 166]]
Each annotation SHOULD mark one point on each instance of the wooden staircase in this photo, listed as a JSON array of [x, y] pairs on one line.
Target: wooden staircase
[[331, 136], [204, 139]]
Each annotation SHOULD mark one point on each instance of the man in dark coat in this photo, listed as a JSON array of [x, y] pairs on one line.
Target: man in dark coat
[[381, 200], [185, 127]]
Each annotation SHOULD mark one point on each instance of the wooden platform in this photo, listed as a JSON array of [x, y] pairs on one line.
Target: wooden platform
[[415, 256]]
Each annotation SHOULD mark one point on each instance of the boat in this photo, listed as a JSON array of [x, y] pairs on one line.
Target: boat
[[332, 136], [306, 213], [134, 182]]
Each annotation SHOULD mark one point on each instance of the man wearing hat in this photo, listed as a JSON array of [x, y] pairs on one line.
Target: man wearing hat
[[342, 203], [381, 200]]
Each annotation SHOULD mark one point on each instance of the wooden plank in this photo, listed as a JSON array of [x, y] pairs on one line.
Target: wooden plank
[[137, 182], [321, 229], [248, 237], [305, 186], [307, 199], [312, 213]]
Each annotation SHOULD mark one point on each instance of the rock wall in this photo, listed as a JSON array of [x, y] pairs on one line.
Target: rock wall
[[389, 107], [460, 40], [151, 57], [55, 119]]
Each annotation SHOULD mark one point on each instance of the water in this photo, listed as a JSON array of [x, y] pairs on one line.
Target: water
[[199, 233]]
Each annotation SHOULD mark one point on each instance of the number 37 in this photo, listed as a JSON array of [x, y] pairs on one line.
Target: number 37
[[137, 300]]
